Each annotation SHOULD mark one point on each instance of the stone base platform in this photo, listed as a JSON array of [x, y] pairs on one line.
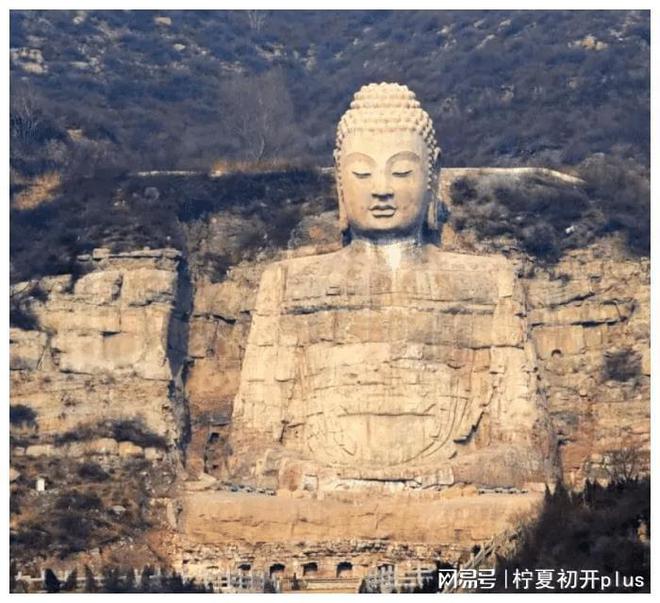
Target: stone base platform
[[283, 536]]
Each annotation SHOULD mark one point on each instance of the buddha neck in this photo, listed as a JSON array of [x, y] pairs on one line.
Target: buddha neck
[[392, 252]]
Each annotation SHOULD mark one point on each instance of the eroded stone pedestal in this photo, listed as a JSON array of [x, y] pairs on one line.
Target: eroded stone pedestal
[[223, 531]]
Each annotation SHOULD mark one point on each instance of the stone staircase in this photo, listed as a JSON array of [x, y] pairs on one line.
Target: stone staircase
[[502, 545]]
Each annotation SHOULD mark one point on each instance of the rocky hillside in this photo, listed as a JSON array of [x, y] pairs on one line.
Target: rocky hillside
[[98, 413], [124, 373], [132, 292], [182, 89]]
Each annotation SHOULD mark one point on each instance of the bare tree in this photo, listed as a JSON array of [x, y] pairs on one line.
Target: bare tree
[[259, 114], [623, 464], [256, 19], [25, 115]]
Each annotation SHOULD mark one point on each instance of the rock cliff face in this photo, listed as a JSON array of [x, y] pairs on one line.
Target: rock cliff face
[[104, 348], [228, 529], [138, 342], [584, 315], [589, 320]]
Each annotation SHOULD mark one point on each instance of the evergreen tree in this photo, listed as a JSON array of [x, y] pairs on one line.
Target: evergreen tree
[[90, 581], [51, 582]]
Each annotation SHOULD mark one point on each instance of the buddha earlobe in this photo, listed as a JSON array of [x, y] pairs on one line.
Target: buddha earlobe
[[434, 177], [343, 217], [432, 211]]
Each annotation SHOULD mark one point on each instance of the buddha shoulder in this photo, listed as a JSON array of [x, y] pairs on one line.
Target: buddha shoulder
[[478, 267], [296, 272], [450, 260], [308, 265]]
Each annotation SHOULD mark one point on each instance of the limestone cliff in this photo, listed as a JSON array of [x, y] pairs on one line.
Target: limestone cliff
[[137, 341], [106, 347], [594, 304], [590, 322], [98, 416], [584, 314]]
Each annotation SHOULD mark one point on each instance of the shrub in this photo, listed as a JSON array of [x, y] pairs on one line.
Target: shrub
[[114, 210], [135, 432], [20, 414], [548, 217], [21, 315], [90, 581], [463, 190], [131, 430], [32, 537], [93, 472], [621, 193], [115, 580], [79, 434], [623, 464], [541, 241], [74, 531], [78, 501], [596, 526], [71, 582], [622, 365], [51, 582]]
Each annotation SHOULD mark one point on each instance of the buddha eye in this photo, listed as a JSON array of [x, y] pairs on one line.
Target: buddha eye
[[361, 175], [401, 173]]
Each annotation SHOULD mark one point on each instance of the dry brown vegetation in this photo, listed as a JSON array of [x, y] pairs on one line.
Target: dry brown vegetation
[[41, 189], [87, 503], [597, 528]]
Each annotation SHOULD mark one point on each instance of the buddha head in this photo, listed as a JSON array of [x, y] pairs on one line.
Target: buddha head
[[385, 161]]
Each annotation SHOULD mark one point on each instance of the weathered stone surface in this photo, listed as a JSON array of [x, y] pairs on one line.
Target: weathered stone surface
[[102, 446], [129, 449], [217, 335], [386, 374], [599, 306], [146, 286], [105, 348], [226, 299], [99, 288], [65, 401], [213, 517], [138, 345], [71, 315], [153, 454], [41, 450], [27, 348]]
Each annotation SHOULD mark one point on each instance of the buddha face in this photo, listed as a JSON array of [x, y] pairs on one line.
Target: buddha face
[[384, 179]]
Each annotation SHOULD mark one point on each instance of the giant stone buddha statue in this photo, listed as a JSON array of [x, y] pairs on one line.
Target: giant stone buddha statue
[[389, 364]]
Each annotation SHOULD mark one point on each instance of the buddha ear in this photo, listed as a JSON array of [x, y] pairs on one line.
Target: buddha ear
[[432, 211], [433, 193], [343, 217]]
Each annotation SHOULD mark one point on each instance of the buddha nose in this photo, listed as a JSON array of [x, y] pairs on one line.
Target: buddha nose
[[382, 187]]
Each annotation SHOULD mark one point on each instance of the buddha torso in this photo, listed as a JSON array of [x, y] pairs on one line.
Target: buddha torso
[[379, 361]]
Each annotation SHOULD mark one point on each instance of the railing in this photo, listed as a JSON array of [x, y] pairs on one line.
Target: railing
[[387, 579], [243, 582]]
